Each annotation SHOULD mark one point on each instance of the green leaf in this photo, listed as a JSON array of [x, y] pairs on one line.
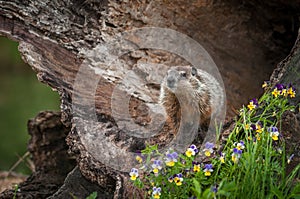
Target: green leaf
[[149, 149], [296, 190], [230, 186], [92, 196], [197, 188], [207, 194], [277, 192]]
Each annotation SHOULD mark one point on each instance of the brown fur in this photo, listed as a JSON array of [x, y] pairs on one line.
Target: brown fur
[[193, 94]]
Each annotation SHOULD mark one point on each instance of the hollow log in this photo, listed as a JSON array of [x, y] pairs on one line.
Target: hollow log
[[99, 58]]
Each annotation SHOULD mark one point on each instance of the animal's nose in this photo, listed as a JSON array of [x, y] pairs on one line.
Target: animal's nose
[[171, 82]]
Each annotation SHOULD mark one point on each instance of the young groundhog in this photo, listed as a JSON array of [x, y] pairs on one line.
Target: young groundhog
[[193, 90]]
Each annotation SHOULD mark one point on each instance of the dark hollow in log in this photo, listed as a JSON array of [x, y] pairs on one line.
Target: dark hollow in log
[[61, 38]]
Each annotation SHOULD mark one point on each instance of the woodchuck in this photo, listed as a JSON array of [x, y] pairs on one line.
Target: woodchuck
[[193, 90]]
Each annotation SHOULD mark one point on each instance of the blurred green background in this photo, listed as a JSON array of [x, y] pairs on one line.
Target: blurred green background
[[22, 97]]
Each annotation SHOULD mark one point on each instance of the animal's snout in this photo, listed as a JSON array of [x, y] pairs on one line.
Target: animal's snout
[[171, 81]]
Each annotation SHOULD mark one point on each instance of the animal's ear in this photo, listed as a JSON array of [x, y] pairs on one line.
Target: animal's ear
[[194, 71]]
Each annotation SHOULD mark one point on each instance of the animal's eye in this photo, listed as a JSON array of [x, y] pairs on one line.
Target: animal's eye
[[183, 74], [194, 71]]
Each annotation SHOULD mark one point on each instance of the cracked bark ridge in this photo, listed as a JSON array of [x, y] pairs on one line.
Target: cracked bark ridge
[[76, 185]]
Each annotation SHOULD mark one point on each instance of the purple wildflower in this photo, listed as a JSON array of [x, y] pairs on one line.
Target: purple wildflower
[[214, 189], [279, 87], [191, 151], [290, 158], [171, 159], [208, 169], [208, 149]]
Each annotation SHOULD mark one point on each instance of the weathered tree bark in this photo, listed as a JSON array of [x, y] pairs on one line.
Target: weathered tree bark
[[59, 39]]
